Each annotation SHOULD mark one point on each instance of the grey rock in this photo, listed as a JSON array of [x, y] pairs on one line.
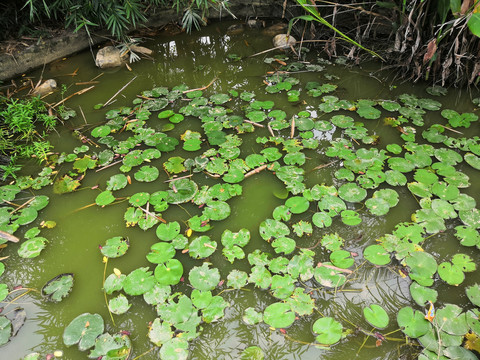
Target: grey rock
[[46, 87], [109, 57], [284, 41]]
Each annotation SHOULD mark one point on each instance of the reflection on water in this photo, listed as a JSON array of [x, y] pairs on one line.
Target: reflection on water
[[196, 60]]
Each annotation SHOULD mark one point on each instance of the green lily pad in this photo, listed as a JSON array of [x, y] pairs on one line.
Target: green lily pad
[[273, 228], [202, 247], [328, 329], [104, 198], [115, 247], [139, 281], [278, 315], [119, 304], [412, 322], [147, 173], [237, 279], [377, 255], [342, 259], [321, 219], [58, 288], [452, 320], [376, 316], [350, 217], [203, 278], [161, 252], [297, 204], [160, 332], [422, 294], [175, 349], [329, 277], [217, 210], [252, 353], [284, 244], [377, 206], [422, 267], [182, 190], [5, 330], [240, 238], [167, 232], [83, 330], [453, 273], [351, 192], [473, 294], [117, 346], [169, 273], [252, 317], [32, 247], [472, 160]]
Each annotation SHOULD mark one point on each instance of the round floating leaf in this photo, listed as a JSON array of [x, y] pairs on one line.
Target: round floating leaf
[[328, 329], [203, 278], [58, 288], [117, 346], [472, 160], [115, 247], [376, 316], [278, 315], [167, 232], [138, 282], [350, 217], [422, 294], [83, 330], [412, 322], [377, 255], [473, 294], [167, 144], [443, 209], [377, 206], [342, 121], [252, 317], [342, 259], [147, 174], [101, 131], [183, 190], [217, 210], [284, 244], [139, 199], [202, 247], [237, 279], [470, 217], [351, 192], [32, 248], [273, 228], [422, 267], [219, 99], [452, 320], [252, 353], [175, 349], [297, 204], [321, 219], [119, 305], [5, 330], [161, 252], [169, 273], [27, 215], [104, 198], [240, 238], [160, 332], [114, 283], [328, 277]]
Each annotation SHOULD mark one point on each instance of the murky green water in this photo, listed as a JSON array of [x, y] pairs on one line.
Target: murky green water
[[73, 244]]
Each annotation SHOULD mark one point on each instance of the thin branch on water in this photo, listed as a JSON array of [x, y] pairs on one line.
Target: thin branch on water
[[118, 92], [179, 178], [79, 92], [201, 88]]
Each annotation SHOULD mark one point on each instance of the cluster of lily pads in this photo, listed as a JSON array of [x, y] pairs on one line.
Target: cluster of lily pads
[[135, 140]]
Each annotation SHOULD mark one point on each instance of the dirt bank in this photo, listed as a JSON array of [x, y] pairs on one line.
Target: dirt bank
[[27, 54]]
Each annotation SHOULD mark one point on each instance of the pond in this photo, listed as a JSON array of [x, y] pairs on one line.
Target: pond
[[318, 208]]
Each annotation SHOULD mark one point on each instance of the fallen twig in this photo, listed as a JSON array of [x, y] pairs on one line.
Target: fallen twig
[[270, 130], [455, 131], [324, 165], [182, 177], [23, 205], [292, 129], [202, 88], [153, 215], [80, 92], [254, 123], [256, 171], [346, 271], [107, 166], [9, 237], [118, 92]]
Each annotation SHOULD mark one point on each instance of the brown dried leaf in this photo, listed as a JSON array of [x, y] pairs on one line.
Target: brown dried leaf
[[431, 49]]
